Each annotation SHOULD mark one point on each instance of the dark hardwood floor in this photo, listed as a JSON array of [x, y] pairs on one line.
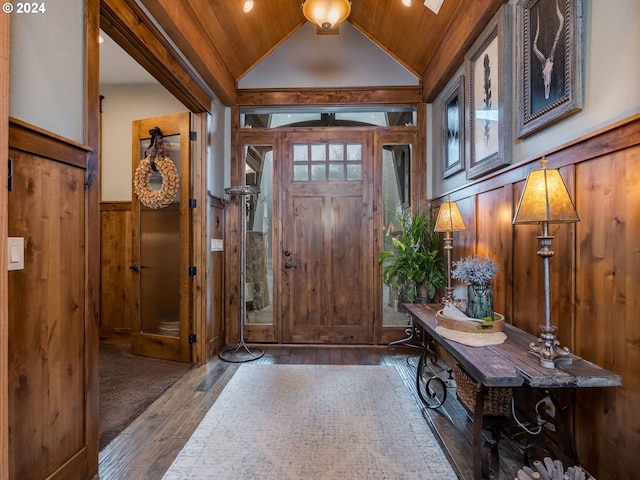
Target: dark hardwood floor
[[146, 448]]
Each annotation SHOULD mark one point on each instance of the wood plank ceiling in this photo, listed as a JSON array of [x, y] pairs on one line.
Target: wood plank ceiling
[[224, 43]]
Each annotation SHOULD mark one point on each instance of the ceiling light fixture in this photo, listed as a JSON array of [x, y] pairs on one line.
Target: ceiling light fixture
[[433, 5], [247, 6], [327, 14]]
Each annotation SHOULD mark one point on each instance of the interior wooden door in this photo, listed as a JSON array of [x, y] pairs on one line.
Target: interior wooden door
[[161, 249], [326, 239]]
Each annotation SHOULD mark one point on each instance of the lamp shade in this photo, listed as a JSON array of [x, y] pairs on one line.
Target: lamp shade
[[326, 13], [545, 199], [449, 218]]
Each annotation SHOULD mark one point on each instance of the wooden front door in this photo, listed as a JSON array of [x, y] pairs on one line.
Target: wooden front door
[[161, 246], [326, 256]]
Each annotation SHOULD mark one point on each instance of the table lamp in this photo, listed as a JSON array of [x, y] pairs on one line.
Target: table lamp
[[449, 220], [545, 200]]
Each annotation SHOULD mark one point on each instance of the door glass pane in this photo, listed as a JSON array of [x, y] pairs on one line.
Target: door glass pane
[[396, 171], [336, 171], [354, 171], [318, 153], [259, 248], [354, 152], [160, 255], [301, 173], [336, 152], [318, 173], [300, 153]]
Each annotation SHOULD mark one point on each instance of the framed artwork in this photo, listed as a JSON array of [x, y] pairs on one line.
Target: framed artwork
[[453, 128], [549, 49], [488, 71]]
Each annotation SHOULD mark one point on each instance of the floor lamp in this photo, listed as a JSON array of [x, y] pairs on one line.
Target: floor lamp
[[449, 220], [545, 200], [241, 352]]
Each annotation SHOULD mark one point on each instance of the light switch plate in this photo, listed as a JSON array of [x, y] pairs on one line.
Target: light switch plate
[[15, 258]]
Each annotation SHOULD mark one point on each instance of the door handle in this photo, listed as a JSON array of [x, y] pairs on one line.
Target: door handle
[[135, 268], [288, 265]]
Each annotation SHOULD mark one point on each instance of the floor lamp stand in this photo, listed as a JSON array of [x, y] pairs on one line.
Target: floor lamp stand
[[241, 352]]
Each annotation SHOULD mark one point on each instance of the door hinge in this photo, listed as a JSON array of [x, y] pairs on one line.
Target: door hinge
[[192, 271], [10, 171], [193, 136], [193, 203], [192, 338]]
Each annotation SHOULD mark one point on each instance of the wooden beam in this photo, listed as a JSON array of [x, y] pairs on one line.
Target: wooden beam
[[126, 23], [92, 233], [183, 26], [472, 17], [317, 96]]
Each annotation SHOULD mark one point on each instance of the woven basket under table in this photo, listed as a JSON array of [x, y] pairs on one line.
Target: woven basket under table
[[497, 402]]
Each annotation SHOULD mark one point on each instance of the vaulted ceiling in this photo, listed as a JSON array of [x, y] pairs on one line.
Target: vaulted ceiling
[[223, 43]]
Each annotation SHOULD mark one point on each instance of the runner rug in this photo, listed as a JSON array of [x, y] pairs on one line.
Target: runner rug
[[294, 422]]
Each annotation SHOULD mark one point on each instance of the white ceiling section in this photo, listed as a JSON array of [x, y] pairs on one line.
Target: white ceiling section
[[348, 59], [116, 66]]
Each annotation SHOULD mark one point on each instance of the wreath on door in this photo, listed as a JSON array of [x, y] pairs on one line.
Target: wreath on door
[[156, 161]]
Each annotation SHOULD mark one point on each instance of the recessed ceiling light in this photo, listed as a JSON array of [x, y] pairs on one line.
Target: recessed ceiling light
[[433, 5]]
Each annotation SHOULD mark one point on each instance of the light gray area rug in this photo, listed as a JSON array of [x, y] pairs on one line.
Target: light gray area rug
[[294, 422]]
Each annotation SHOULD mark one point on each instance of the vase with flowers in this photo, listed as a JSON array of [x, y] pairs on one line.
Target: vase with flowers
[[477, 273]]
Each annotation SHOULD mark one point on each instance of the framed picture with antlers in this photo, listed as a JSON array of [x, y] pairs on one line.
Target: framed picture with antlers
[[489, 74], [549, 82]]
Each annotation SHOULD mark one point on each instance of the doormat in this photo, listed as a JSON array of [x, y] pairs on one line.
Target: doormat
[[289, 422]]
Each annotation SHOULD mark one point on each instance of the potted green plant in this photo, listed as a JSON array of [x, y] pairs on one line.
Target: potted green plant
[[414, 266]]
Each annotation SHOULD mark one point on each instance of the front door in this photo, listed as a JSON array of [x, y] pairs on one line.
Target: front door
[[161, 238], [326, 258]]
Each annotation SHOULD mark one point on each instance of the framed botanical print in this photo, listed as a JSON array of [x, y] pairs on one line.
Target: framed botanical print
[[453, 128], [488, 71], [549, 62]]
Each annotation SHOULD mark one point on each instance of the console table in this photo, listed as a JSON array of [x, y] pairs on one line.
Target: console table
[[508, 365]]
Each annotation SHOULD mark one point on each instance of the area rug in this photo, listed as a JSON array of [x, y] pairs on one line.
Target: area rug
[[128, 385], [293, 422]]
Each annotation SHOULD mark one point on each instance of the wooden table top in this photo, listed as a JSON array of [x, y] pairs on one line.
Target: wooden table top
[[510, 364]]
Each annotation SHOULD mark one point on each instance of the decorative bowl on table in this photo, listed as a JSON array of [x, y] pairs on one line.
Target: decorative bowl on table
[[471, 325]]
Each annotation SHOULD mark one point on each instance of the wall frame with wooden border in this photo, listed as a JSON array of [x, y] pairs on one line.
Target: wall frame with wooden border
[[488, 73], [549, 58]]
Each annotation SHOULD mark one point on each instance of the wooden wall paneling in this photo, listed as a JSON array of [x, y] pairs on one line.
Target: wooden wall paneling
[[493, 230], [594, 280], [47, 319], [527, 273], [4, 303], [464, 242], [563, 271], [117, 305], [607, 327]]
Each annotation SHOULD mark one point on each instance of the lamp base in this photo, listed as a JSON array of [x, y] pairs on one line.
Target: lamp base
[[548, 349]]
